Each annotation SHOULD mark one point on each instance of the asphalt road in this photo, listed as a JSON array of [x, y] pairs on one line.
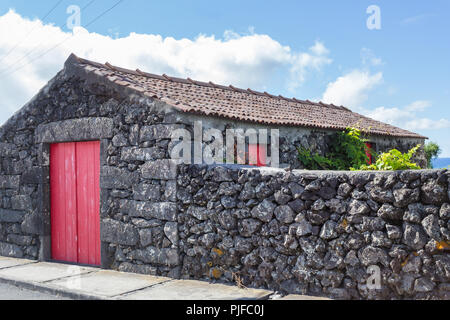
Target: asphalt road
[[8, 292]]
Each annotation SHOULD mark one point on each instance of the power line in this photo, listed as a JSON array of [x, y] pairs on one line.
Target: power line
[[60, 43], [5, 71], [31, 31]]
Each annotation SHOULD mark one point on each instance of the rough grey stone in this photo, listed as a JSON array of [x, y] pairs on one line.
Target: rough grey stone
[[145, 192], [297, 205], [164, 169], [162, 211], [264, 211], [119, 140], [371, 255], [336, 205], [431, 225], [351, 258], [75, 130], [248, 227], [145, 236], [170, 190], [9, 182], [138, 268], [423, 285], [207, 240], [248, 192], [357, 207], [372, 224], [141, 154], [118, 232], [303, 227], [158, 132], [413, 264], [380, 239], [158, 256], [228, 202], [433, 193], [19, 239], [328, 230], [413, 236], [171, 232], [444, 212], [198, 212], [381, 195], [11, 215], [344, 190], [389, 212], [296, 190], [10, 250], [393, 232], [284, 214], [227, 220], [404, 197], [281, 197], [116, 178], [158, 210]]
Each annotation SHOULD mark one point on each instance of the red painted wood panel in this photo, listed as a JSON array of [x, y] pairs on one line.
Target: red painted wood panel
[[88, 201], [259, 152], [63, 202], [75, 202]]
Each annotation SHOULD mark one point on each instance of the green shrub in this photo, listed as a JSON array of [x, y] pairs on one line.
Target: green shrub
[[347, 149], [393, 160], [314, 161], [348, 152]]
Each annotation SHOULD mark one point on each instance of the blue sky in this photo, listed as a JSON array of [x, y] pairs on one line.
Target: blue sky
[[319, 50]]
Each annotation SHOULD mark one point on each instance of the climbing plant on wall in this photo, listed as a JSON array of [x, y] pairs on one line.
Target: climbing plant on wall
[[347, 149], [393, 160]]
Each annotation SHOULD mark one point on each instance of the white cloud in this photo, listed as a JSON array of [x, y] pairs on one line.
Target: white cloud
[[315, 59], [420, 105], [416, 19], [351, 89], [249, 60], [369, 58], [408, 117]]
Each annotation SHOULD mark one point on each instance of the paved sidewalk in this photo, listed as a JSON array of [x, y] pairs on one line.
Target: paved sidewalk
[[77, 282], [92, 283]]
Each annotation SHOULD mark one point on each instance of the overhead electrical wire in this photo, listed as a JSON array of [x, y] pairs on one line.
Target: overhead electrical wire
[[4, 73], [31, 31]]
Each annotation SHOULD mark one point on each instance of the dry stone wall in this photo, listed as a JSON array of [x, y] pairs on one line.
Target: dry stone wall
[[317, 232]]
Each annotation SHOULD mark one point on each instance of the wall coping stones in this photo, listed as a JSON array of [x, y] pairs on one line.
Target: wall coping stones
[[75, 130]]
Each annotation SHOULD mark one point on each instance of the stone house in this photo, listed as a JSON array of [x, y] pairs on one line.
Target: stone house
[[85, 169]]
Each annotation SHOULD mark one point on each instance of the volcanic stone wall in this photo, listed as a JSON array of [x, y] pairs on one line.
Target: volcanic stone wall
[[138, 208], [317, 232], [293, 231]]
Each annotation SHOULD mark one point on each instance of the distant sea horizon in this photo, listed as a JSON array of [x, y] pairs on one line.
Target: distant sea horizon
[[441, 163]]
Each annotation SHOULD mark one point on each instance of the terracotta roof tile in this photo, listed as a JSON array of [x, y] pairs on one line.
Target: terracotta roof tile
[[212, 99]]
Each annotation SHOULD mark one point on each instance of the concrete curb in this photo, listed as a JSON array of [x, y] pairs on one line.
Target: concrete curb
[[49, 289]]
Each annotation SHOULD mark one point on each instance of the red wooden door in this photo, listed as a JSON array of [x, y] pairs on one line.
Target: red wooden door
[[258, 152], [75, 202]]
